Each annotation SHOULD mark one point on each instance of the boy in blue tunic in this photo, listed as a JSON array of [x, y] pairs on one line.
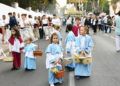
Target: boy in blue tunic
[[54, 55], [84, 43], [30, 60], [70, 46]]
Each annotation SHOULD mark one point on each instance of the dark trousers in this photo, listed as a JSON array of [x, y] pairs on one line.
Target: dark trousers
[[100, 27], [94, 28], [41, 32], [109, 28], [105, 27]]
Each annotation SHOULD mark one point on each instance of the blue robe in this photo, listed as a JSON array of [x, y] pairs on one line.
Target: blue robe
[[60, 38], [83, 43], [30, 60], [53, 53], [70, 45], [70, 38]]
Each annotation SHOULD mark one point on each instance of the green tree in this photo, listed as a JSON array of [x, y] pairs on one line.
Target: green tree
[[35, 4]]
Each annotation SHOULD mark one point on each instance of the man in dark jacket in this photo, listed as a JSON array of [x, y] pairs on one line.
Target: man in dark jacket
[[12, 21]]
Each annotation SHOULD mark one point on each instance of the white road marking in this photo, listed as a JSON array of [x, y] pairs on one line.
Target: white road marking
[[71, 79]]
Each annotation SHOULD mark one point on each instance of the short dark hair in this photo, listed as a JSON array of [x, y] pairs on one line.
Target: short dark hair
[[69, 27], [77, 18], [30, 16], [23, 14], [54, 14], [10, 13]]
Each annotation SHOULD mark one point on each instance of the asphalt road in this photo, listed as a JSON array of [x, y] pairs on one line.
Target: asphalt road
[[106, 67]]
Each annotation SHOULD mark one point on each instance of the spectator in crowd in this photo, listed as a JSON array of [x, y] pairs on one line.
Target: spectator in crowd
[[12, 20], [117, 31]]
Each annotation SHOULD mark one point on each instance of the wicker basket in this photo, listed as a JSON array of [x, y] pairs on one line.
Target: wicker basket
[[37, 53], [60, 74], [82, 59], [87, 60], [54, 70], [67, 61], [76, 58]]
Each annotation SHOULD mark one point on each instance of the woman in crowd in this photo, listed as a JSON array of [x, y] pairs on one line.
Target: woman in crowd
[[117, 31], [94, 24]]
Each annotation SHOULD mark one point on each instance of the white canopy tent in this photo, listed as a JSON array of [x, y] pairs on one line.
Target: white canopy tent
[[5, 9], [22, 11]]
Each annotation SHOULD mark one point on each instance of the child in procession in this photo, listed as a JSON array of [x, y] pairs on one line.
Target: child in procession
[[57, 31], [15, 46], [30, 59], [70, 46], [54, 55], [76, 26], [84, 43]]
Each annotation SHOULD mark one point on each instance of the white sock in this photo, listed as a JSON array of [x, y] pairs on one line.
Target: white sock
[[51, 84]]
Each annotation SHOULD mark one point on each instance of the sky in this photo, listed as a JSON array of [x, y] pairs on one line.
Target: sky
[[62, 2]]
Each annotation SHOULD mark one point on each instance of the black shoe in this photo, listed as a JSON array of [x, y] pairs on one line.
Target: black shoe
[[15, 68], [58, 83], [69, 68], [26, 69], [83, 77], [118, 51], [41, 37], [77, 77]]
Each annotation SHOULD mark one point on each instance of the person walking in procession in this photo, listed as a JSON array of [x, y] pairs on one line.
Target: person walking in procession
[[70, 46], [117, 32], [54, 55], [30, 59], [16, 46], [84, 43]]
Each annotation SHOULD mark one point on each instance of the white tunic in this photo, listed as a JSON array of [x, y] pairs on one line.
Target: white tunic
[[16, 46]]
